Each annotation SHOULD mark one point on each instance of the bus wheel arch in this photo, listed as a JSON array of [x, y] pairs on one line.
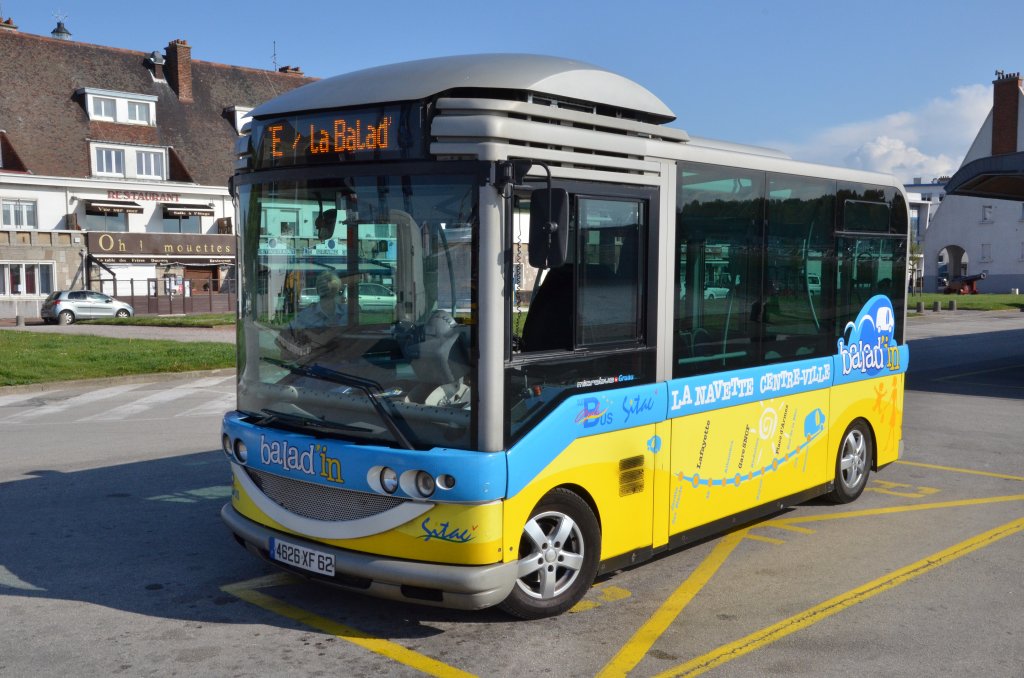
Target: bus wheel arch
[[559, 553], [855, 458]]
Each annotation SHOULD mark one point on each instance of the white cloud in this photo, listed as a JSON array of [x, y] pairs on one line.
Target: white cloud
[[927, 142]]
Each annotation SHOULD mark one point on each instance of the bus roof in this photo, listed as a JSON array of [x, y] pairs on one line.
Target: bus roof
[[412, 80]]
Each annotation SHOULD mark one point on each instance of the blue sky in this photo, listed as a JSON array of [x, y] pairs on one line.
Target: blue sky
[[898, 86]]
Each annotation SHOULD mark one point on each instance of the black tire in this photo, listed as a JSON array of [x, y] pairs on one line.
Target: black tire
[[122, 313], [853, 463], [558, 557], [66, 317]]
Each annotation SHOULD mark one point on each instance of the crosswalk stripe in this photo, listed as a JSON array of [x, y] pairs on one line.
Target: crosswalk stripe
[[51, 409], [16, 398], [217, 406], [129, 410]]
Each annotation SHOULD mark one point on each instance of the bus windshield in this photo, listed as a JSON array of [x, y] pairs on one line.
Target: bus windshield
[[358, 315]]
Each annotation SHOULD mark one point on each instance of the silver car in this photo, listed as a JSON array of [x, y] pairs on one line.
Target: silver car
[[67, 306]]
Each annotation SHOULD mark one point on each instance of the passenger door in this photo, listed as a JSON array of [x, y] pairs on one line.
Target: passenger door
[[588, 337]]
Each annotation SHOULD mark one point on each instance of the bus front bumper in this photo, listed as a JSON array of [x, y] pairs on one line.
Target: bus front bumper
[[453, 586]]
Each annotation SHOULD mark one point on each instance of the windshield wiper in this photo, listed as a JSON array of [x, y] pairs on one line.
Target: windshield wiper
[[364, 385], [299, 421]]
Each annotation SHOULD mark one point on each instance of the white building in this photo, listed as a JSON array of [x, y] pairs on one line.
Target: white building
[[114, 169], [974, 231]]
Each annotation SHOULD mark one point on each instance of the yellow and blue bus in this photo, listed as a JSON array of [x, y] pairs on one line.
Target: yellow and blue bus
[[502, 330]]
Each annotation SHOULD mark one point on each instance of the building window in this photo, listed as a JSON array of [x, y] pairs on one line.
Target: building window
[[123, 107], [104, 108], [25, 279], [130, 162], [138, 111], [986, 214], [117, 223], [149, 164], [110, 161], [191, 224], [986, 252], [19, 214]]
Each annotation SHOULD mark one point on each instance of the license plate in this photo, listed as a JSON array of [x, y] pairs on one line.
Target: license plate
[[300, 556]]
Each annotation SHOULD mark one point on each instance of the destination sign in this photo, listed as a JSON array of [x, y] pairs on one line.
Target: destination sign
[[381, 133]]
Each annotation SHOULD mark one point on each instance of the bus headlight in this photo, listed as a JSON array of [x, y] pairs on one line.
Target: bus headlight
[[388, 480], [445, 481], [225, 444], [424, 484], [241, 451]]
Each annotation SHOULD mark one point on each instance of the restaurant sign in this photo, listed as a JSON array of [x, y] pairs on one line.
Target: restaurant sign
[[151, 248]]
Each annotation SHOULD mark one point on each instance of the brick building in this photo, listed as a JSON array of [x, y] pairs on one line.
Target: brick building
[[114, 169]]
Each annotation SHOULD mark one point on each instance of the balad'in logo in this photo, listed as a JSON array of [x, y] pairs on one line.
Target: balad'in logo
[[867, 345], [593, 414]]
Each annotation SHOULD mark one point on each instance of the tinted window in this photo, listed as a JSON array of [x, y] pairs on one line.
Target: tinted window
[[609, 272], [799, 249], [718, 297]]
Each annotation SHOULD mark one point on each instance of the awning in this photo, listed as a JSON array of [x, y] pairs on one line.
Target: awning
[[112, 207], [176, 210], [1000, 177]]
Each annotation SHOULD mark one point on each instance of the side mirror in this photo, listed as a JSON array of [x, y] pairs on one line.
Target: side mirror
[[549, 227], [325, 222]]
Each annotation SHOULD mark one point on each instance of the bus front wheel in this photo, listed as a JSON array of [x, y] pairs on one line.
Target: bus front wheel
[[558, 557], [852, 463]]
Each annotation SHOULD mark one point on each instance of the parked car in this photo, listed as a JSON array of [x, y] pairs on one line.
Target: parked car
[[67, 306], [813, 283], [307, 297], [374, 297], [716, 292]]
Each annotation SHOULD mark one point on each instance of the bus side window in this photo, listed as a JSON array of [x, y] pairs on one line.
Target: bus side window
[[548, 325], [719, 301], [595, 302]]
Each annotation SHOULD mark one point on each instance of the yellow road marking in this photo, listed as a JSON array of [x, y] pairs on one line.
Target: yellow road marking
[[815, 614], [779, 522], [248, 592], [921, 491], [791, 528], [887, 487], [637, 647], [598, 596], [954, 469], [769, 540]]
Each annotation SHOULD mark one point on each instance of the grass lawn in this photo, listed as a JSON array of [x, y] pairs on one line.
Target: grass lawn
[[197, 320], [30, 357], [969, 302]]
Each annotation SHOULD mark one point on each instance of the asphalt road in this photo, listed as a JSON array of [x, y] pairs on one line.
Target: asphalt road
[[113, 560]]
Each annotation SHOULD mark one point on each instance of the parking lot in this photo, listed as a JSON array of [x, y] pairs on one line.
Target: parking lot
[[113, 559]]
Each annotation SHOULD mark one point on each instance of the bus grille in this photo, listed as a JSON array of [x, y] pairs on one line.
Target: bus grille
[[319, 502]]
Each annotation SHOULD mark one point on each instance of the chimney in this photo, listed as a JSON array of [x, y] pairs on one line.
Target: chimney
[[8, 24], [1006, 94], [178, 69], [290, 70]]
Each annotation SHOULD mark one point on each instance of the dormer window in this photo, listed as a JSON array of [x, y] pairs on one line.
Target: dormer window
[[129, 162], [239, 115], [138, 111], [122, 107], [104, 108]]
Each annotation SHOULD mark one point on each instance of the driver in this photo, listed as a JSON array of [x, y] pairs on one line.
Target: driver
[[315, 327]]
